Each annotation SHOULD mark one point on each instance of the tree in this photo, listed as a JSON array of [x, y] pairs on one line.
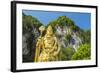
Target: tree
[[87, 36], [66, 53], [83, 53]]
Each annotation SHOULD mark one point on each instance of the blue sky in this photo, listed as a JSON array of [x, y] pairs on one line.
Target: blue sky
[[83, 20]]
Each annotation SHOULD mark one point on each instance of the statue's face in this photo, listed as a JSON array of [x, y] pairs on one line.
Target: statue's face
[[49, 30]]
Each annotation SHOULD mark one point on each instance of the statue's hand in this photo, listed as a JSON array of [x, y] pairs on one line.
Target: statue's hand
[[56, 52]]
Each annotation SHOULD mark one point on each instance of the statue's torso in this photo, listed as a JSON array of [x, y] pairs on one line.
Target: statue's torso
[[48, 46], [49, 42]]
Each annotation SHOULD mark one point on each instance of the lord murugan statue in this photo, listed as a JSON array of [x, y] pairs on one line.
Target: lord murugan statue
[[47, 47]]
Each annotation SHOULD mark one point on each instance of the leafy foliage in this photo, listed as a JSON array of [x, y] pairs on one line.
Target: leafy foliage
[[66, 53], [29, 22], [64, 21], [86, 36], [83, 52], [68, 37]]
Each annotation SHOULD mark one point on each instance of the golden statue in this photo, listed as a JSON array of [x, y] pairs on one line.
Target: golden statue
[[47, 48]]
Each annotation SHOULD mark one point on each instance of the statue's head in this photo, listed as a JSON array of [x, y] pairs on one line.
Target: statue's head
[[49, 30]]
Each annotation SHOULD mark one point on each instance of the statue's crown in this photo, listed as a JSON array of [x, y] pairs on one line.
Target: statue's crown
[[50, 28]]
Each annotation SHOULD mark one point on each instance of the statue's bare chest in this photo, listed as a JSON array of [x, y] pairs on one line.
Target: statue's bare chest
[[49, 42]]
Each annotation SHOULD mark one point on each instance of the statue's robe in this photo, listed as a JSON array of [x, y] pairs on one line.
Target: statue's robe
[[50, 49]]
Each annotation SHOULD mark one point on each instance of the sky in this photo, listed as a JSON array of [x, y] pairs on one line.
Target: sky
[[83, 20]]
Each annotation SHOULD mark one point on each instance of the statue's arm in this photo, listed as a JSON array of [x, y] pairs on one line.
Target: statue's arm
[[55, 46], [57, 49], [43, 45]]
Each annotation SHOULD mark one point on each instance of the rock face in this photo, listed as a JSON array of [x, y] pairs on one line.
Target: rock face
[[74, 40], [29, 37], [67, 32], [69, 36], [29, 41]]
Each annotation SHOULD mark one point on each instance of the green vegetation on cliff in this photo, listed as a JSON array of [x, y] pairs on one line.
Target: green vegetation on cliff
[[83, 52], [64, 21]]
